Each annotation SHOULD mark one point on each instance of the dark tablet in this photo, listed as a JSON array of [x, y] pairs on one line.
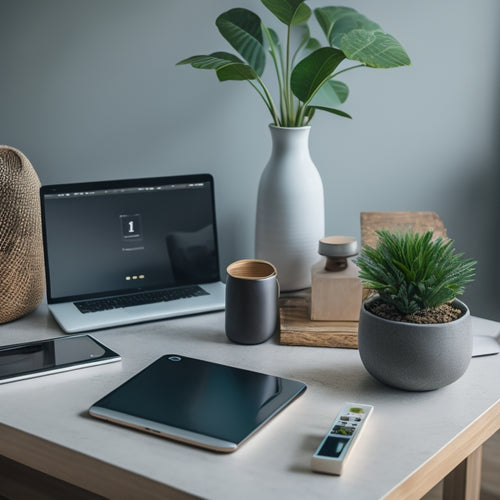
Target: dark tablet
[[198, 402], [44, 357]]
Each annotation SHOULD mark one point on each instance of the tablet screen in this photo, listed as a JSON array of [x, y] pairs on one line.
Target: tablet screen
[[200, 402]]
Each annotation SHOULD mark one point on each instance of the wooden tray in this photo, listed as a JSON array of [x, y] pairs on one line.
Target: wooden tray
[[298, 329]]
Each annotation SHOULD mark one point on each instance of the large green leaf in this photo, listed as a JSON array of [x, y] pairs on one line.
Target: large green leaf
[[313, 44], [313, 71], [330, 95], [227, 66], [289, 12], [243, 30], [274, 37], [333, 111], [236, 71], [328, 16], [210, 61], [305, 44], [338, 21], [374, 48]]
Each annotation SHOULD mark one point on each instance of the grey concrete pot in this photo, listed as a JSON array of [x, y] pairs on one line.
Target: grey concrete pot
[[412, 356]]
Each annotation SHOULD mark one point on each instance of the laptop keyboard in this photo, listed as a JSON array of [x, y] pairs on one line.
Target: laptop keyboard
[[137, 299]]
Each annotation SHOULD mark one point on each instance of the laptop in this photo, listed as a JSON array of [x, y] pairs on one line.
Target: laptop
[[128, 251]]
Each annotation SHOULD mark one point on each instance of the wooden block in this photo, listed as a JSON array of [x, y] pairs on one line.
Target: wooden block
[[335, 296], [418, 222], [297, 329]]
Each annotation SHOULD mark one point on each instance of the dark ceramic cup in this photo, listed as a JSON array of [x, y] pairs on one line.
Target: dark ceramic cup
[[252, 294]]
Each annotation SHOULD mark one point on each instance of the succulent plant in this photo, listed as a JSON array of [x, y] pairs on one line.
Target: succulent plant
[[413, 272]]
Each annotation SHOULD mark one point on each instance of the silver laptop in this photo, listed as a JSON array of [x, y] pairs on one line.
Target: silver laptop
[[127, 251]]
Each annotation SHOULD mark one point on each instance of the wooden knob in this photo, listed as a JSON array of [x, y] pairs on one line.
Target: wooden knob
[[337, 249]]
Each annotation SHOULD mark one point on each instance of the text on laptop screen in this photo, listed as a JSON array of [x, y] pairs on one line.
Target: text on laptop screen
[[100, 241]]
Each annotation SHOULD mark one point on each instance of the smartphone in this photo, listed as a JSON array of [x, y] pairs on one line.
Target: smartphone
[[44, 357]]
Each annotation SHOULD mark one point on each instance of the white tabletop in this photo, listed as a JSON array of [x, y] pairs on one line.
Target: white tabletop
[[406, 428]]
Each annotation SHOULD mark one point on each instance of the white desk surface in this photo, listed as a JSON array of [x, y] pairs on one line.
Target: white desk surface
[[405, 430]]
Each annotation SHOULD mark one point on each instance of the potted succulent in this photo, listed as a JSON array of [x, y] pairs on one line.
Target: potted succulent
[[414, 334], [290, 207]]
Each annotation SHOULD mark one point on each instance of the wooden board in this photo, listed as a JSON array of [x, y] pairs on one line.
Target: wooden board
[[418, 222], [297, 329]]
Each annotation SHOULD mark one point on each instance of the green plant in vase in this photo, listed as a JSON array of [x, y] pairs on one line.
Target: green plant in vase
[[290, 205], [306, 72]]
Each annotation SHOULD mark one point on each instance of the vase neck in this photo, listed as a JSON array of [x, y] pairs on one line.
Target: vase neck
[[291, 141]]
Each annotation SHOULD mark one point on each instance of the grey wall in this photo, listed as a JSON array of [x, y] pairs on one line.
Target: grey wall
[[89, 90]]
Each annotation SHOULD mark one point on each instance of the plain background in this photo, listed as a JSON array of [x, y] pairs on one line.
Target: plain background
[[89, 90]]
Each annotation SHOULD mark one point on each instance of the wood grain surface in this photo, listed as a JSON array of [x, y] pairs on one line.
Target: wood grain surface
[[297, 329], [418, 222]]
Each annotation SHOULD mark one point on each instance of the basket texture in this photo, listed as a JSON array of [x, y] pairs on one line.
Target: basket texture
[[22, 278]]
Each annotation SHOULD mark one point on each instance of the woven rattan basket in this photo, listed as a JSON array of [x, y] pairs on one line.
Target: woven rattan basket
[[22, 279]]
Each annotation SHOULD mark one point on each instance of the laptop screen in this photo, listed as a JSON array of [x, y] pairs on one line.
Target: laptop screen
[[106, 238]]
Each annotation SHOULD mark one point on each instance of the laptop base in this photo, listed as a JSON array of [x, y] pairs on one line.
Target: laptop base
[[71, 320]]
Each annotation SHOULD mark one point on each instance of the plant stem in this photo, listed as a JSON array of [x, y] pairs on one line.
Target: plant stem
[[300, 115], [278, 66], [266, 97], [288, 93]]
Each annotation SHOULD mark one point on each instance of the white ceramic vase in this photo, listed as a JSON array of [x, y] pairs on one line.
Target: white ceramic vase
[[290, 208]]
